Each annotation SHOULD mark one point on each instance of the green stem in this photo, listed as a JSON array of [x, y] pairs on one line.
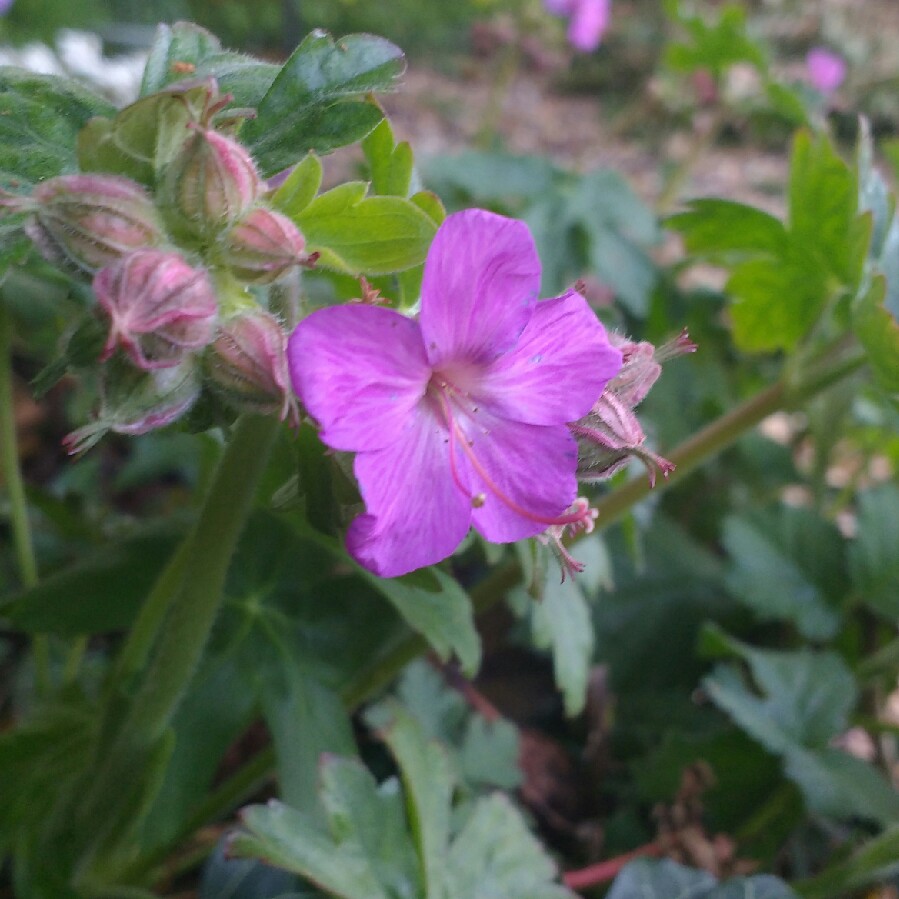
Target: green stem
[[18, 506], [191, 615]]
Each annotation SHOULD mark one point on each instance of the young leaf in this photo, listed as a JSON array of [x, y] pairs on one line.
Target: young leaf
[[390, 163], [313, 102], [373, 236], [878, 331], [727, 230], [300, 187]]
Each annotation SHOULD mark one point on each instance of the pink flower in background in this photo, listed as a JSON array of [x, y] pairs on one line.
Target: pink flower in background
[[5, 6], [459, 418], [826, 70], [587, 20]]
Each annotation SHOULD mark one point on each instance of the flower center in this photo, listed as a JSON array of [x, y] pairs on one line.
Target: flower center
[[455, 403]]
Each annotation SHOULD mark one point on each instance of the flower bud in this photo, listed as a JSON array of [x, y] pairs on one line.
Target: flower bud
[[135, 402], [211, 184], [91, 220], [263, 246], [159, 307], [247, 364]]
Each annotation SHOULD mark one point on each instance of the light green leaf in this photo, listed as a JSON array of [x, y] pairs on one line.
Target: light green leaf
[[289, 839], [788, 566], [490, 752], [729, 230], [426, 773], [496, 857], [300, 187], [391, 164], [560, 622], [878, 331], [313, 103], [373, 236]]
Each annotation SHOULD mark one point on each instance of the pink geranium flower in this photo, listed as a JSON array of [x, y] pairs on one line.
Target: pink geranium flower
[[459, 418], [587, 21]]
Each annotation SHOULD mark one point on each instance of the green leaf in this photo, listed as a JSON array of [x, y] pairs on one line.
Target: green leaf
[[40, 117], [877, 860], [878, 331], [186, 52], [489, 754], [776, 301], [788, 566], [728, 230], [426, 773], [374, 235], [806, 696], [306, 720], [874, 553], [391, 164], [560, 622], [101, 592], [496, 856], [312, 103], [840, 785], [650, 879], [823, 203], [176, 52], [438, 608], [300, 187]]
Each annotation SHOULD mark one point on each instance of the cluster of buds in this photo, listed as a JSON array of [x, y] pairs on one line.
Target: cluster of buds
[[611, 434], [171, 260]]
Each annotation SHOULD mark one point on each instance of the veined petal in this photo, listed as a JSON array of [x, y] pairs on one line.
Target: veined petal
[[416, 513], [558, 368], [360, 371], [480, 284], [524, 473]]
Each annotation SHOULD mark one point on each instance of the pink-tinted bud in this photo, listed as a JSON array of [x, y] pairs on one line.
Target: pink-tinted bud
[[91, 220], [247, 364], [639, 370], [211, 184], [263, 246], [159, 307], [135, 402]]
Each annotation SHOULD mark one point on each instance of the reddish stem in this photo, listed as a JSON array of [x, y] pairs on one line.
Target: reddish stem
[[603, 872]]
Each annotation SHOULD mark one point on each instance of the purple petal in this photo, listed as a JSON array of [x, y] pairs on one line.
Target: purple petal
[[558, 369], [359, 371], [480, 284], [588, 24], [416, 513], [532, 466]]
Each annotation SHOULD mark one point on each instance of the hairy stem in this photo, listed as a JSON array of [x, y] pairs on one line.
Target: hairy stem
[[15, 489]]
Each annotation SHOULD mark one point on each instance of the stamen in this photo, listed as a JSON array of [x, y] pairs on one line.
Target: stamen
[[580, 516]]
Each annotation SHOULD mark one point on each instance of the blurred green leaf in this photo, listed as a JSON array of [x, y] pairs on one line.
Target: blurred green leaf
[[40, 117], [878, 331], [788, 565], [651, 879], [101, 592], [727, 230], [874, 553], [313, 103]]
